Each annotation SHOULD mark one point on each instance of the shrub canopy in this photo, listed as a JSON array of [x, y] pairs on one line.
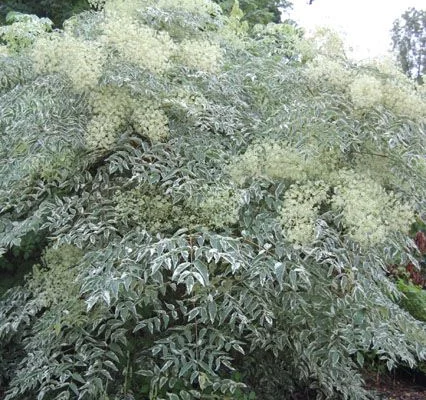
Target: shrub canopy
[[219, 207]]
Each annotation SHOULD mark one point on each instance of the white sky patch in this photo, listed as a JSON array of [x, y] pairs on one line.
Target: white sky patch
[[364, 24]]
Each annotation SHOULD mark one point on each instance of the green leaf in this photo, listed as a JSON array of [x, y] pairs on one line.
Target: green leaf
[[193, 313], [360, 359], [202, 269]]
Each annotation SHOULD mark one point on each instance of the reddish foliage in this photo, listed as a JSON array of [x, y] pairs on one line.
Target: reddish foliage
[[412, 273], [420, 241], [415, 275]]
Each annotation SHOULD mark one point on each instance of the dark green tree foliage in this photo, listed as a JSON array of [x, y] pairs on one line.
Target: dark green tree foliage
[[219, 209], [409, 41], [56, 10], [257, 11], [414, 300]]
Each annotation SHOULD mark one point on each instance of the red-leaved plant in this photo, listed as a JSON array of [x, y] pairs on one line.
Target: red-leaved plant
[[410, 272]]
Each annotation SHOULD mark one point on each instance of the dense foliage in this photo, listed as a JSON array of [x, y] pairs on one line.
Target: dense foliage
[[217, 210], [409, 41], [255, 11], [414, 300]]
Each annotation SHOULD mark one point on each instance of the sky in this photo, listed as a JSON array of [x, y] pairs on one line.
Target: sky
[[364, 24]]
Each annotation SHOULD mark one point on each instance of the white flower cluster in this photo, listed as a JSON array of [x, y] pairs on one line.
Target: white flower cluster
[[4, 51], [220, 206], [392, 92], [101, 133], [149, 120], [283, 38], [300, 208], [23, 31], [138, 43], [151, 49], [387, 67], [324, 43], [279, 160], [54, 281], [273, 159], [199, 54], [387, 87], [126, 9], [404, 101], [80, 60], [366, 92], [369, 214], [145, 207], [114, 109], [324, 70], [111, 108], [204, 7]]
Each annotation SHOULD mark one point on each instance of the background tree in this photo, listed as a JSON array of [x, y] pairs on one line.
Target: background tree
[[213, 212], [409, 41], [257, 11]]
